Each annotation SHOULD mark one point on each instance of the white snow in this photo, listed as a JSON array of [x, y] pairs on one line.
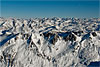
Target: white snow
[[49, 42]]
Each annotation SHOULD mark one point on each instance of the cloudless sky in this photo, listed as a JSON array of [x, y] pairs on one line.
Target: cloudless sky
[[39, 8]]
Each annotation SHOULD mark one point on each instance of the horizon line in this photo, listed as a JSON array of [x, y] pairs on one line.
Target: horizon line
[[50, 0]]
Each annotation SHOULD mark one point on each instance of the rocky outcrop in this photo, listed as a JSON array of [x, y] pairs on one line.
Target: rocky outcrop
[[49, 42]]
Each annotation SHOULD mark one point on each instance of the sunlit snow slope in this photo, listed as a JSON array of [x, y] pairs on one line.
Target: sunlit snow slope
[[49, 42]]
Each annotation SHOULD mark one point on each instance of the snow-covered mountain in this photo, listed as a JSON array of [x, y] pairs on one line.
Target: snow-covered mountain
[[49, 42]]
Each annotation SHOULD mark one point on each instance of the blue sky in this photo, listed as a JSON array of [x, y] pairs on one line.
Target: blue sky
[[57, 8]]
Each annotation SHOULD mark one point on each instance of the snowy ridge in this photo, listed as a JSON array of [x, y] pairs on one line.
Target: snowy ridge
[[49, 42]]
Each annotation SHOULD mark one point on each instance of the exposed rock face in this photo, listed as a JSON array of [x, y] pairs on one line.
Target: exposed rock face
[[94, 34], [49, 42], [70, 37]]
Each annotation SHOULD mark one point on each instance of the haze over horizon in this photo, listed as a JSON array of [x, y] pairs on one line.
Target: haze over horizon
[[56, 8]]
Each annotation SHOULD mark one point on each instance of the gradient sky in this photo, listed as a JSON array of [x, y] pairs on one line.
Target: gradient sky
[[57, 8]]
